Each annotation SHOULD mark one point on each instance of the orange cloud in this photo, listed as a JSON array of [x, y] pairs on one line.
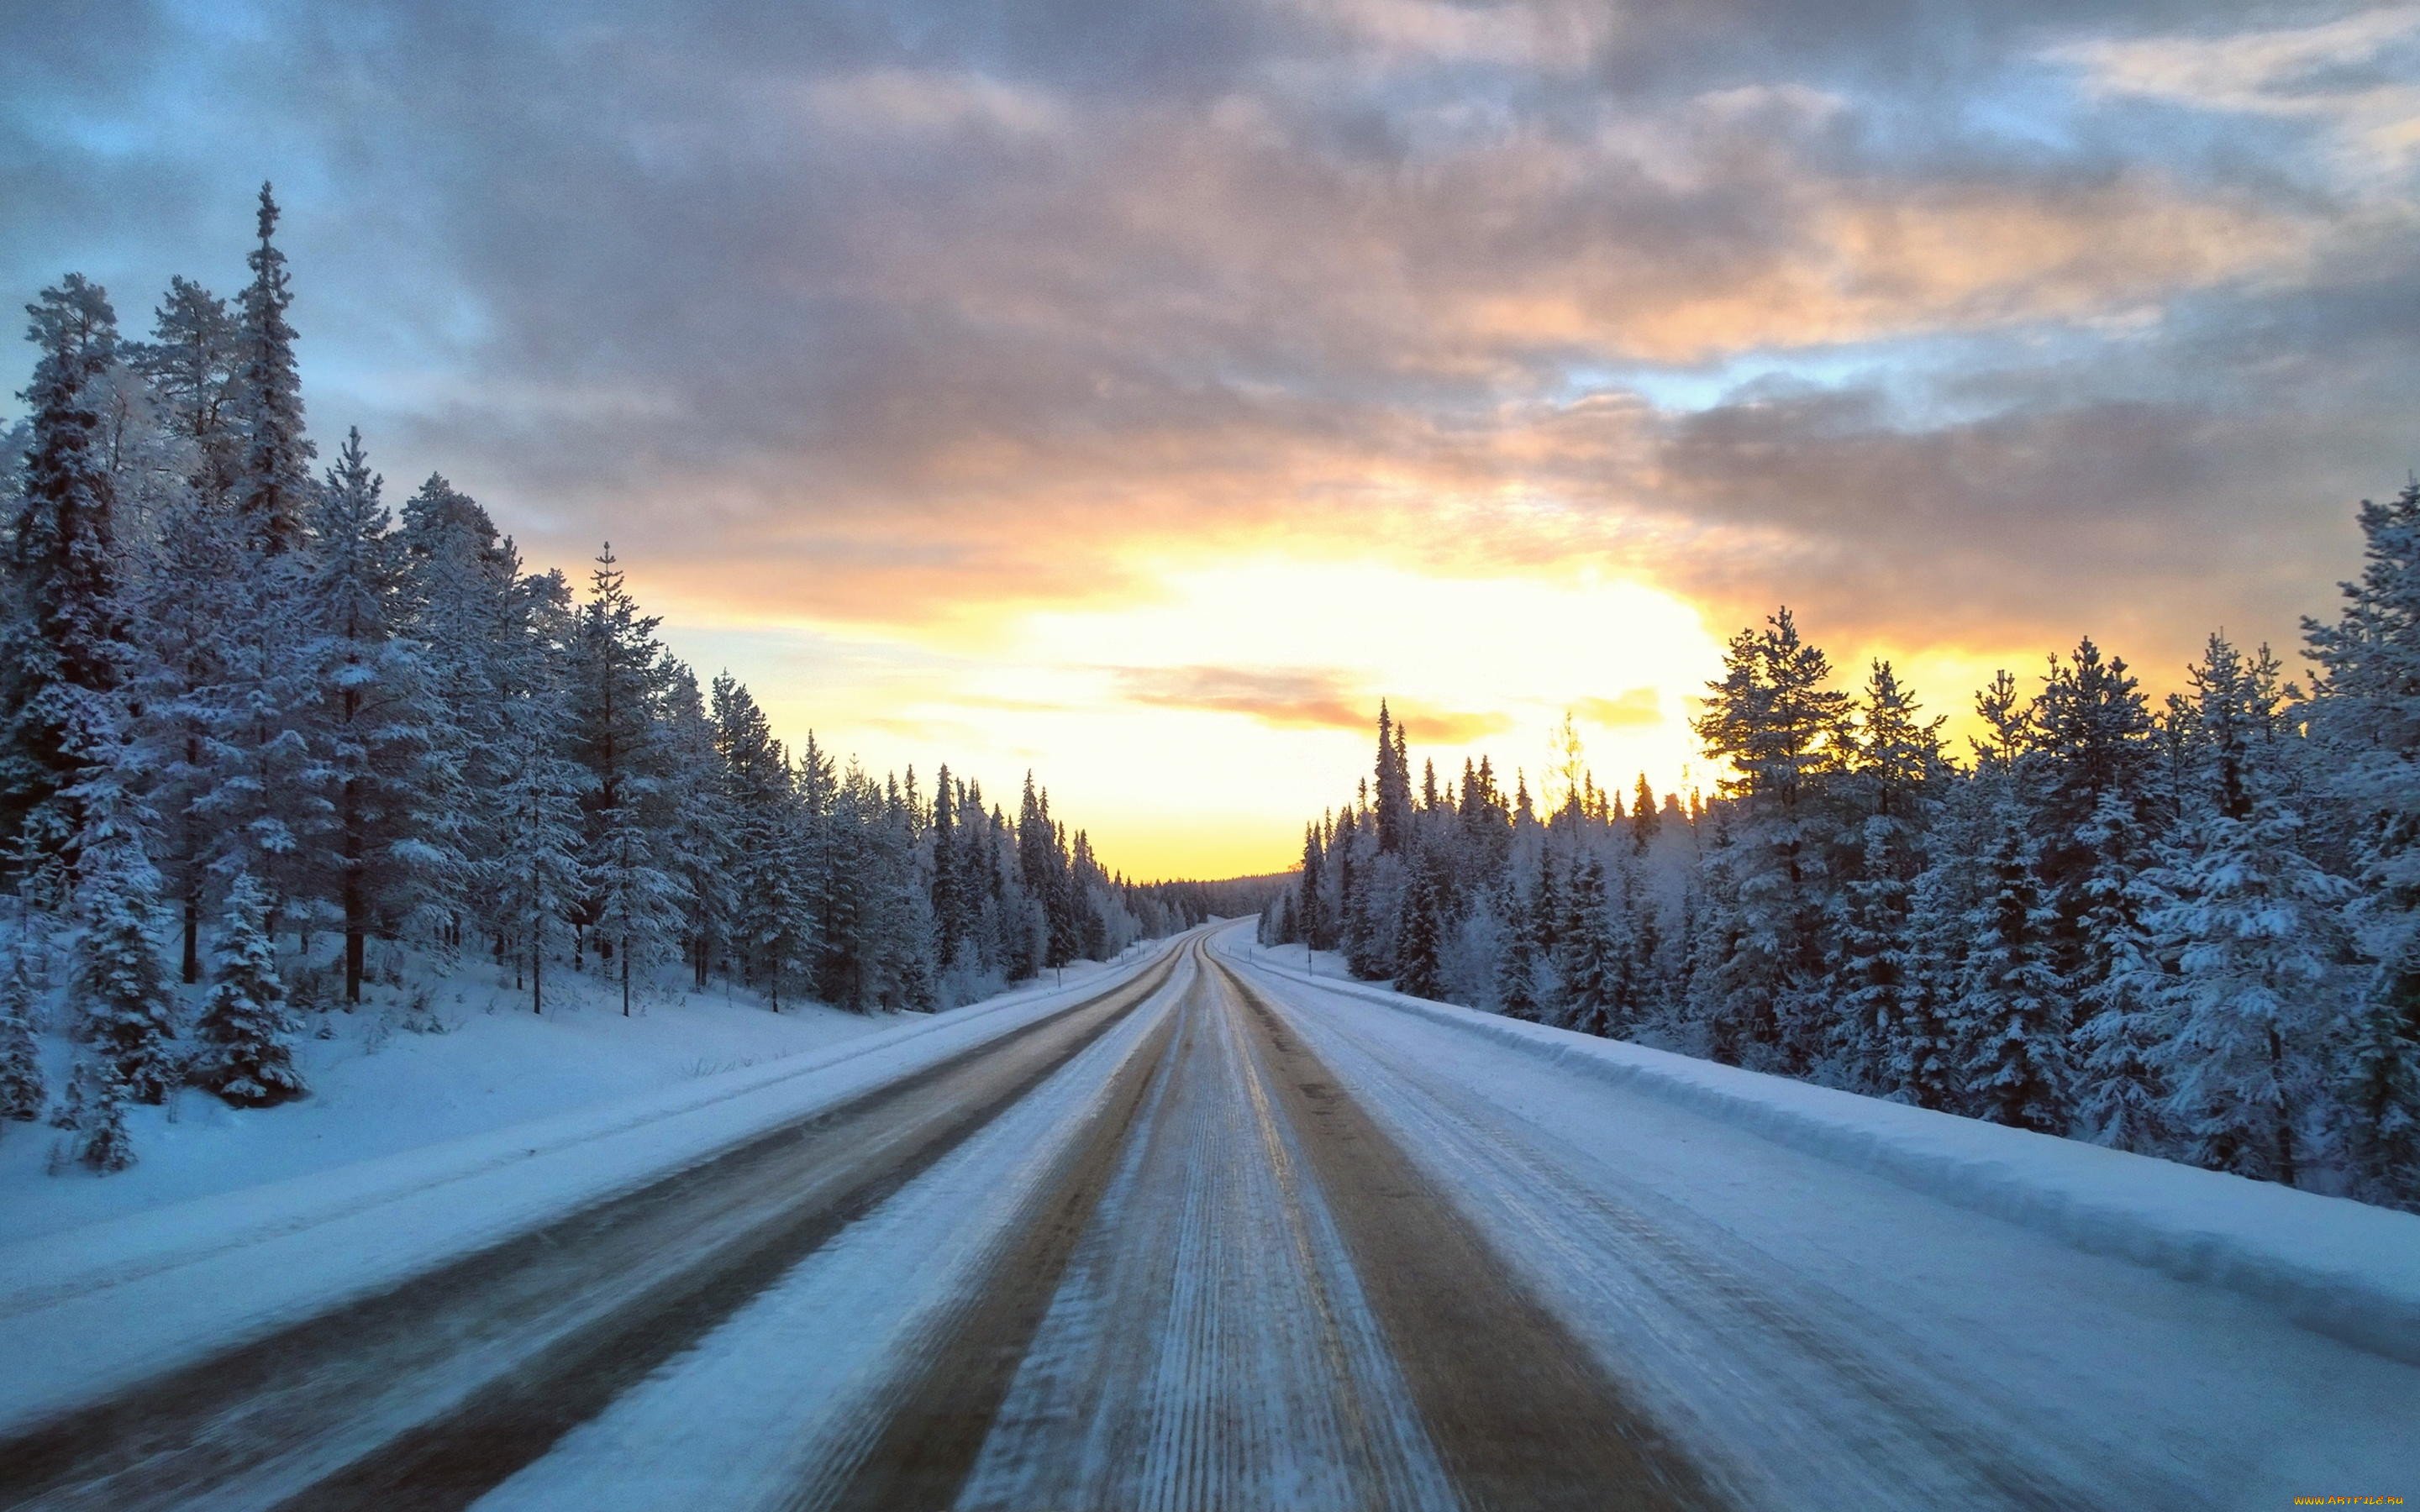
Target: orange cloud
[[1632, 708], [1295, 700]]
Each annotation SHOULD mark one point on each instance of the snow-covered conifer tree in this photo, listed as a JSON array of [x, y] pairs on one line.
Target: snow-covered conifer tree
[[272, 487], [1416, 957], [2255, 1003], [2012, 1006], [372, 728], [96, 1107], [21, 1092], [1785, 733], [1894, 764], [2364, 719], [67, 638], [245, 1032]]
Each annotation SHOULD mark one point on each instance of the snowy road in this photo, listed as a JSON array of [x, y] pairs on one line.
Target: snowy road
[[1218, 1237]]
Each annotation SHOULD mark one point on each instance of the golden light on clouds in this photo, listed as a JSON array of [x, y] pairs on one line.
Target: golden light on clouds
[[1142, 402], [1193, 731]]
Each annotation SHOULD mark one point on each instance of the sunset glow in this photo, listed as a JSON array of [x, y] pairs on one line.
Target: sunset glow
[[1145, 404]]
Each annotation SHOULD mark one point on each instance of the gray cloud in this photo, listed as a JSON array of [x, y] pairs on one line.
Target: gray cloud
[[879, 310]]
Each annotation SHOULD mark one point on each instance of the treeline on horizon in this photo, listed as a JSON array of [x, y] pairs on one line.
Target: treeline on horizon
[[2190, 932], [241, 704]]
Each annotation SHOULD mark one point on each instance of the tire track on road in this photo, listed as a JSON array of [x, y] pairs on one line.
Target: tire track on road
[[1523, 1416], [367, 1405]]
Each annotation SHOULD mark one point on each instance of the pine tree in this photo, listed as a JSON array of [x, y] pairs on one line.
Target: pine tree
[[1785, 733], [246, 1054], [191, 361], [21, 1092], [533, 872]]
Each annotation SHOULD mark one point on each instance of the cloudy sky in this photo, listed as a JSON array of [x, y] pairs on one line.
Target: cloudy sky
[[1138, 389]]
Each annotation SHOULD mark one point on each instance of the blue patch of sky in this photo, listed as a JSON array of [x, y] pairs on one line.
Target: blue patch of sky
[[1918, 380]]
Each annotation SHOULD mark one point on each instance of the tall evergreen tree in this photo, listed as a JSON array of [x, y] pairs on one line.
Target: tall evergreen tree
[[2363, 718], [1894, 764], [272, 485], [2012, 1007], [373, 725], [68, 634], [1422, 933], [191, 363], [2253, 931], [633, 902], [1785, 733]]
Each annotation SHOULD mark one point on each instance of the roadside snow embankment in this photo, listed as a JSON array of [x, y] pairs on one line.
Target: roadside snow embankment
[[2340, 1268], [99, 1307]]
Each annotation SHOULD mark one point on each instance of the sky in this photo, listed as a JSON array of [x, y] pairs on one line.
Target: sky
[[1140, 390]]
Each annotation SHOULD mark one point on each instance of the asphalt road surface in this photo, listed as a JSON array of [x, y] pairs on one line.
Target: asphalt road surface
[[1217, 1239]]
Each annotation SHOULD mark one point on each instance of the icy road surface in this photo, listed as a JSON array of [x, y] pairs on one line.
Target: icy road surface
[[1214, 1237]]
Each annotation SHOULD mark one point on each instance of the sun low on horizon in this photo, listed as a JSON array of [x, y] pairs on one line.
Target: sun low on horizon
[[1189, 730], [1140, 404]]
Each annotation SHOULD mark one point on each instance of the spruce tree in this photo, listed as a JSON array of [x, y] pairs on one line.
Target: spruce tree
[[272, 485], [2013, 1007], [2363, 718], [1585, 954], [699, 834], [2090, 780], [2255, 1003], [246, 1053], [372, 732], [1894, 765], [96, 1107], [463, 606], [188, 613], [68, 637], [21, 1092], [123, 1006], [1393, 786], [1422, 933], [1644, 819], [1786, 735], [1517, 982]]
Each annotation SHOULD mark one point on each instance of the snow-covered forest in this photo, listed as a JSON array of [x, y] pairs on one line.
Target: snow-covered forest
[[253, 720], [2190, 931]]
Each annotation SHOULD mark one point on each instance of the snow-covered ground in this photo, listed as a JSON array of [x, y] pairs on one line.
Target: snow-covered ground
[[216, 1268], [377, 1089], [1796, 1297]]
